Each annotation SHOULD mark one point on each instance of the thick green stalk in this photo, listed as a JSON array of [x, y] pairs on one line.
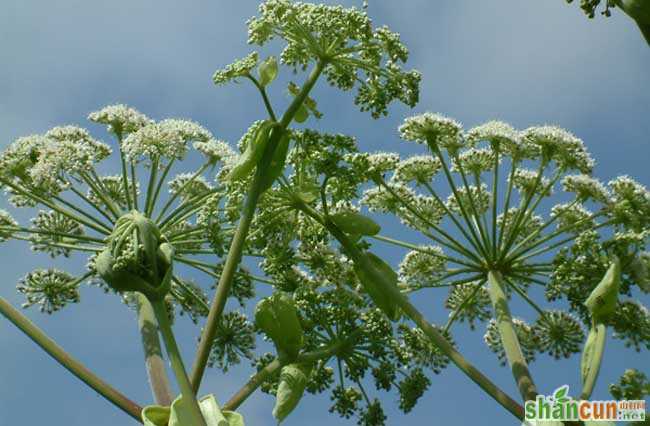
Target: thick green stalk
[[176, 362], [509, 339], [67, 361], [237, 245], [153, 358]]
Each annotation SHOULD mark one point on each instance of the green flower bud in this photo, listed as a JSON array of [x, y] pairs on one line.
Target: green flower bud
[[278, 161], [302, 114], [369, 270], [602, 300], [293, 380], [268, 70], [277, 317], [352, 222], [253, 152], [592, 355]]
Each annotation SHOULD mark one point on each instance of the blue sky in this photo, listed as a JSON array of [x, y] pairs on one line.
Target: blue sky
[[527, 63]]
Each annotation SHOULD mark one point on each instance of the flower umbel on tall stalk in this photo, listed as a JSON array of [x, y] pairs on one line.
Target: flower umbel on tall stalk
[[494, 235], [130, 230]]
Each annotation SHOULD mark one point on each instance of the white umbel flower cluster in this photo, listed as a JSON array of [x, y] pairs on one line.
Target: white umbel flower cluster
[[421, 267], [561, 146], [6, 221], [214, 150], [166, 139], [586, 188], [435, 128], [120, 118], [419, 168]]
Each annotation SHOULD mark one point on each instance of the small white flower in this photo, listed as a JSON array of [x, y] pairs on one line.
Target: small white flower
[[167, 139], [188, 188], [381, 200]]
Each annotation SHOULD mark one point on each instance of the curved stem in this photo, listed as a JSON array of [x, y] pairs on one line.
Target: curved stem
[[153, 359], [509, 339], [67, 361], [177, 363]]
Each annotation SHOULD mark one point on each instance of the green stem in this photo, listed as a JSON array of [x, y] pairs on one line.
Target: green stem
[[174, 196], [509, 339], [261, 376], [434, 148], [495, 184], [176, 362], [161, 181], [93, 205], [134, 185], [451, 216], [153, 174], [452, 244], [67, 361], [462, 306], [125, 177], [420, 249], [506, 207], [429, 330], [265, 98], [153, 359], [237, 244]]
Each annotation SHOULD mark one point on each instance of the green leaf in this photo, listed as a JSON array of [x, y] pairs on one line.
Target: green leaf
[[355, 223], [277, 317], [369, 270], [155, 415], [293, 379], [178, 414]]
